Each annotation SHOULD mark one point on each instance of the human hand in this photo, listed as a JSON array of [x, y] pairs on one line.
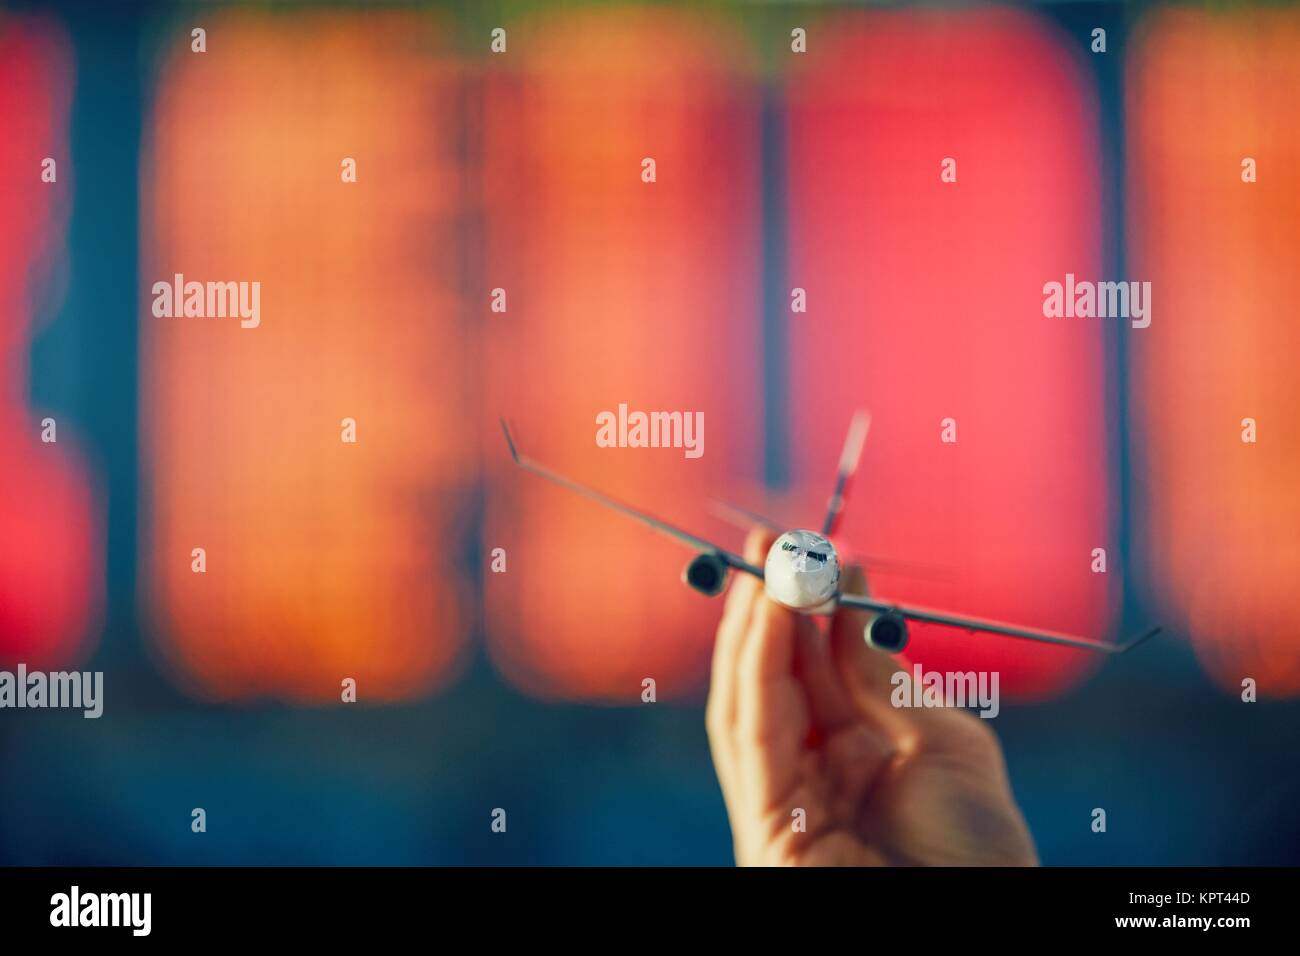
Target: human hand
[[799, 719]]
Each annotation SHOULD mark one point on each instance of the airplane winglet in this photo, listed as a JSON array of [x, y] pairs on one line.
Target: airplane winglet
[[1140, 639], [663, 527], [510, 442]]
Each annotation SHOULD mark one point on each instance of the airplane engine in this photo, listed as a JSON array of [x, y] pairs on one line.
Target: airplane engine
[[888, 632], [707, 573]]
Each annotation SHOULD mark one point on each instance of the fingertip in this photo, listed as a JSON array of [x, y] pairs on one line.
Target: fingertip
[[854, 580], [850, 623], [757, 543], [778, 615], [740, 594]]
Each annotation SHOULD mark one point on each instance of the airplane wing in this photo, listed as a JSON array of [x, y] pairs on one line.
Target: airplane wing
[[663, 527], [993, 627]]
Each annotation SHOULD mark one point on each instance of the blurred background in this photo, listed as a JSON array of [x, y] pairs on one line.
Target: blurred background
[[514, 176]]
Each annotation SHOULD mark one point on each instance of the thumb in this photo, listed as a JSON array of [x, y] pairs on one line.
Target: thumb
[[866, 672]]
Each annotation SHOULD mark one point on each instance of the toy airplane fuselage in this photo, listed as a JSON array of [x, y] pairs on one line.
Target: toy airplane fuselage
[[803, 570]]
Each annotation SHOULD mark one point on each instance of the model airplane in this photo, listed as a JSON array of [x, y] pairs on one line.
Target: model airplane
[[802, 570]]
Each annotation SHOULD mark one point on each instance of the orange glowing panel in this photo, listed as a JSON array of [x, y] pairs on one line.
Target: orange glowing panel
[[619, 291], [51, 534], [925, 304], [1207, 92], [325, 558]]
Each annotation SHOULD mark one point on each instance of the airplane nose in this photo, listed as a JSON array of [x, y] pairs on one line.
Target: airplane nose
[[801, 570]]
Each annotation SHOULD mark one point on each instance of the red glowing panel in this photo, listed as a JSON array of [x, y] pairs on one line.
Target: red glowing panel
[[618, 291], [1221, 516], [325, 559], [51, 538], [925, 303]]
